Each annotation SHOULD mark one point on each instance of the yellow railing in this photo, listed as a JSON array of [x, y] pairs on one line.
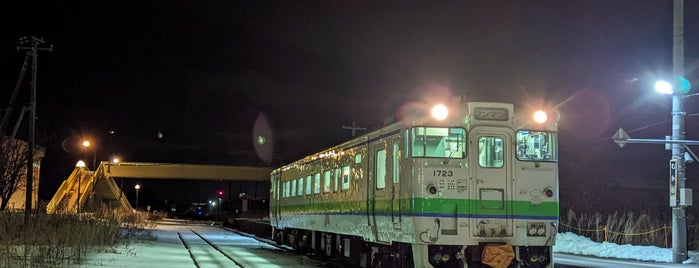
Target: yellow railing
[[87, 184], [62, 191]]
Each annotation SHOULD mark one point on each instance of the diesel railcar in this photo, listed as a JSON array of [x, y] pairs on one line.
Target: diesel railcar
[[473, 186]]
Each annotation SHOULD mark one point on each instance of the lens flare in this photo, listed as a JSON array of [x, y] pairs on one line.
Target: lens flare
[[540, 116], [440, 112]]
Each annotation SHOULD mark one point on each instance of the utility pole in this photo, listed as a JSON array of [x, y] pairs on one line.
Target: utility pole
[[678, 204], [354, 128], [34, 49]]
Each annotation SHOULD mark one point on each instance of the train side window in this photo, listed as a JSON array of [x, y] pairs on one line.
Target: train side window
[[490, 152], [396, 163], [293, 188], [326, 181], [345, 178], [285, 192], [308, 185], [316, 183], [336, 180], [380, 169], [358, 158], [300, 186]]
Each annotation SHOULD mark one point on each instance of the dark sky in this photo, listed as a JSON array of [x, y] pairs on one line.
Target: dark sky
[[202, 72]]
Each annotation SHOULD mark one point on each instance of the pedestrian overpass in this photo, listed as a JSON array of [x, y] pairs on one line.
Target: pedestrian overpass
[[99, 187]]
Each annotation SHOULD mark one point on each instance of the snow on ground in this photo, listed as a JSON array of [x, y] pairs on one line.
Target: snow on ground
[[579, 245], [167, 251]]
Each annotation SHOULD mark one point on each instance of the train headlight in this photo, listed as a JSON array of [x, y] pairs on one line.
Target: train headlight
[[440, 112], [540, 116]]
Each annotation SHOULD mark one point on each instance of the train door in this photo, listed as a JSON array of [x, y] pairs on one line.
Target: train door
[[380, 197], [277, 188], [393, 169], [492, 176]]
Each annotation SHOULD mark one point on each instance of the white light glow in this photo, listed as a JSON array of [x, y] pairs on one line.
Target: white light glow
[[440, 112], [664, 87], [80, 164], [540, 116]]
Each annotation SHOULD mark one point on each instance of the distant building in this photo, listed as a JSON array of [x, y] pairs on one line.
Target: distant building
[[18, 199]]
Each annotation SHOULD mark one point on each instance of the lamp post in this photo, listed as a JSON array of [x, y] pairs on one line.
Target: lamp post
[[679, 200], [80, 165], [138, 186], [679, 204], [87, 144]]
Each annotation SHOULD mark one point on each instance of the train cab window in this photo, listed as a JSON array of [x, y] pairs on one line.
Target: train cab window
[[490, 152], [308, 185], [345, 178], [358, 158], [536, 145], [380, 169], [326, 181], [316, 183], [439, 142]]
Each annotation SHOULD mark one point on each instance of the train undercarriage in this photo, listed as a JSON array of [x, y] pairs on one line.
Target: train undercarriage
[[357, 252]]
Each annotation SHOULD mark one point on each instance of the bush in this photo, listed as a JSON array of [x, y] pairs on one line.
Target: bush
[[57, 240]]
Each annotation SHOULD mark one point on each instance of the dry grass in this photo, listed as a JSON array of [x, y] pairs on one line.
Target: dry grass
[[627, 228], [64, 240]]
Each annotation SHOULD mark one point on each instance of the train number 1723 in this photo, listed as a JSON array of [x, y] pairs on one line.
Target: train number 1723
[[442, 173]]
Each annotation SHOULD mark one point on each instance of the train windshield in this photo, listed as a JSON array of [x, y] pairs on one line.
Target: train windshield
[[537, 145], [440, 142]]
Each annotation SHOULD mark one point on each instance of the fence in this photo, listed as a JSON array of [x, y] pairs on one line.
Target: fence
[[627, 229]]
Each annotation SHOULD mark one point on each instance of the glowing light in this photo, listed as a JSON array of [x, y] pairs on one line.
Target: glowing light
[[540, 116], [80, 164], [86, 143], [440, 112], [664, 87]]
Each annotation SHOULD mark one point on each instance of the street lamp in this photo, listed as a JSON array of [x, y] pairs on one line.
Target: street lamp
[[680, 196], [87, 144], [80, 165], [138, 186]]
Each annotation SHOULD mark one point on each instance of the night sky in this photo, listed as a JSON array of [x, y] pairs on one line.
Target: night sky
[[202, 72]]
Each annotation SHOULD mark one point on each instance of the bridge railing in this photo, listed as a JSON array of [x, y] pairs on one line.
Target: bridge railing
[[62, 191]]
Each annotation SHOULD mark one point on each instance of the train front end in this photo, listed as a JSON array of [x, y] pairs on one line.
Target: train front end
[[484, 189]]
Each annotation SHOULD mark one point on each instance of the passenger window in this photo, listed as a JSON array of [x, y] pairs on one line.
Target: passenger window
[[345, 178], [316, 183], [490, 152], [308, 185], [336, 179], [300, 186], [286, 189], [293, 188], [380, 169], [396, 163], [326, 181]]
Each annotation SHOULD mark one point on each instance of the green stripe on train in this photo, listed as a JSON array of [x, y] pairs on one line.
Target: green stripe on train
[[431, 205]]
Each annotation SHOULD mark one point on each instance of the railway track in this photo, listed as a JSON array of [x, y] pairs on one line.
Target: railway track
[[214, 246]]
